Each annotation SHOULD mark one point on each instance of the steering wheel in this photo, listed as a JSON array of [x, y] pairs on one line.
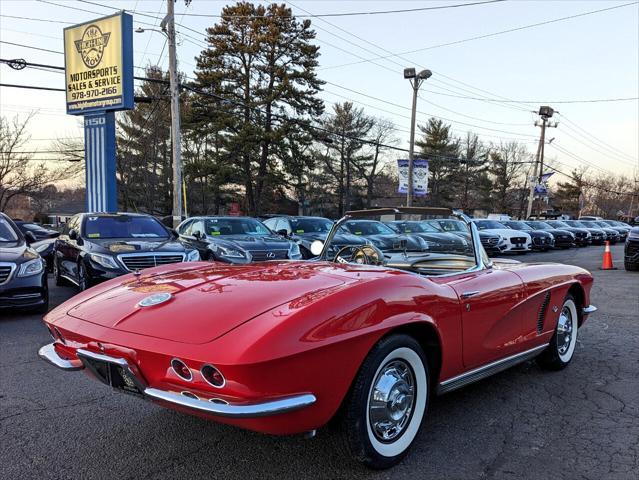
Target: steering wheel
[[360, 255]]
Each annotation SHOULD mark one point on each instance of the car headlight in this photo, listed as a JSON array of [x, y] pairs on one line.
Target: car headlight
[[32, 267], [193, 256], [41, 248], [294, 251], [104, 260], [229, 252]]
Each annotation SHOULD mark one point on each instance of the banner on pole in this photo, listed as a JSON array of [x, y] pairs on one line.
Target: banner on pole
[[420, 176]]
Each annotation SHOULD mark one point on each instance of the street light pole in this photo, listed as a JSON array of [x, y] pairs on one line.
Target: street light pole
[[411, 148], [169, 27], [416, 80]]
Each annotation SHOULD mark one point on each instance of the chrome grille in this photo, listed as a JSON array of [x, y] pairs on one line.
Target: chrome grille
[[516, 240], [141, 261], [5, 271], [262, 255], [489, 241]]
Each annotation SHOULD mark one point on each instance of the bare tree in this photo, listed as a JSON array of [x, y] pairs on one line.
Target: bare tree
[[370, 167], [506, 167], [20, 173]]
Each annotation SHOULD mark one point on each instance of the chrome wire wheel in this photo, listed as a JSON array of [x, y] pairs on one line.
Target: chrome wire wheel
[[390, 403], [564, 331]]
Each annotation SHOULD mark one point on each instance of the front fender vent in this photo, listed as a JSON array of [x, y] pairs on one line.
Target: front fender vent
[[541, 316]]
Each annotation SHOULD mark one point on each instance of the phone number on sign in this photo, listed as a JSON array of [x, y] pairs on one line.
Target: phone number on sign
[[96, 92]]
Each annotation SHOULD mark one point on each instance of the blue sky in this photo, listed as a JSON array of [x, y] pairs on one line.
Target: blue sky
[[590, 57]]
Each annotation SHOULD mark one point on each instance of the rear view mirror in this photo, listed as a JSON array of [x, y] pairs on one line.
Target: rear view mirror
[[283, 232], [30, 238], [316, 247], [73, 234]]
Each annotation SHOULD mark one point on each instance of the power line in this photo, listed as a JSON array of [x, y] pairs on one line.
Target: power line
[[478, 37], [351, 14], [33, 48], [593, 138], [32, 87]]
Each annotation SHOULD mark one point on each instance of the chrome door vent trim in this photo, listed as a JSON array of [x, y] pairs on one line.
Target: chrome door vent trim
[[541, 315]]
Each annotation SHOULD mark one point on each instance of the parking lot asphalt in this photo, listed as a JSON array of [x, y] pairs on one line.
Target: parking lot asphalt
[[525, 423]]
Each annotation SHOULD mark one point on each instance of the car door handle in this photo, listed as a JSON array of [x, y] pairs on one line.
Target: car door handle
[[469, 294]]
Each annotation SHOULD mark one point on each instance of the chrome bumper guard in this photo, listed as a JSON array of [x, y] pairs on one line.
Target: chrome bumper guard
[[250, 410], [589, 309]]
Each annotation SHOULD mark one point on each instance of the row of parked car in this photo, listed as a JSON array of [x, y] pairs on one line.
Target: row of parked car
[[94, 247]]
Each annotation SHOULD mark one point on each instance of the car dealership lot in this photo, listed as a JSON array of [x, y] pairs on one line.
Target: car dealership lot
[[523, 423]]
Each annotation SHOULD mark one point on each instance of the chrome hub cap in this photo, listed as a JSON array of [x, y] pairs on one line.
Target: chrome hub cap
[[390, 404], [564, 331]]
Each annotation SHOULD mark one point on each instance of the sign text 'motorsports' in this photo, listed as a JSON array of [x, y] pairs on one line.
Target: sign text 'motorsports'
[[99, 65]]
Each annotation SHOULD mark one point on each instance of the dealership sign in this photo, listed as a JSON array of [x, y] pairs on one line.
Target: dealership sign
[[420, 176], [98, 60]]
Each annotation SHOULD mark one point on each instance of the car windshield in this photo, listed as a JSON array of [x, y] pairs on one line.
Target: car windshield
[[7, 233], [575, 223], [311, 225], [540, 225], [414, 227], [235, 226], [449, 225], [123, 226], [32, 226], [489, 224], [517, 225], [559, 224], [367, 227]]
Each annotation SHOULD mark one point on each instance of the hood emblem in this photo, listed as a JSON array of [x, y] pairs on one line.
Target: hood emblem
[[155, 299], [270, 255]]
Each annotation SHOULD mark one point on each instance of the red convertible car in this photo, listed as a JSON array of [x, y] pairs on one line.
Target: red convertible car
[[283, 347]]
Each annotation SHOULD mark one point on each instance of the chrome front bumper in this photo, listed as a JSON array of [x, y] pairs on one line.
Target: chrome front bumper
[[589, 309], [248, 410]]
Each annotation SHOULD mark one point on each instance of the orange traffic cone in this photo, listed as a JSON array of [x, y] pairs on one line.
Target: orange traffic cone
[[606, 264]]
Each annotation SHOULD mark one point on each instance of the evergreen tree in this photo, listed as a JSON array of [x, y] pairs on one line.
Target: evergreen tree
[[258, 71]]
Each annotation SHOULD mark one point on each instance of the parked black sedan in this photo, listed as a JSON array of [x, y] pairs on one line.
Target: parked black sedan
[[622, 228], [541, 240], [631, 250], [613, 235], [437, 241], [94, 247], [599, 236], [563, 238], [23, 275], [583, 236], [236, 240], [489, 241], [305, 230], [384, 237], [38, 231]]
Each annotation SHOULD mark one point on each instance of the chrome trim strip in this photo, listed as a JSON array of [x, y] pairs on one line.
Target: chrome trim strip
[[48, 354], [262, 409], [12, 268], [589, 309], [103, 358], [487, 370], [72, 280]]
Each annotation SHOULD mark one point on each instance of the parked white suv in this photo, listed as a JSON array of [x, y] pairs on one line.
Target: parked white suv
[[509, 240]]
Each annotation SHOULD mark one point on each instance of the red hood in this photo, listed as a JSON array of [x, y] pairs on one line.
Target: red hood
[[208, 300]]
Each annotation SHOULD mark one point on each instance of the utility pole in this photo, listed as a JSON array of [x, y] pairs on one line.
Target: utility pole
[[545, 113], [168, 25], [416, 80]]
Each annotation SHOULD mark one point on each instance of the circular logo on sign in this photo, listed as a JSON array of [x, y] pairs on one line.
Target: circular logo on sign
[[91, 47], [155, 299]]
